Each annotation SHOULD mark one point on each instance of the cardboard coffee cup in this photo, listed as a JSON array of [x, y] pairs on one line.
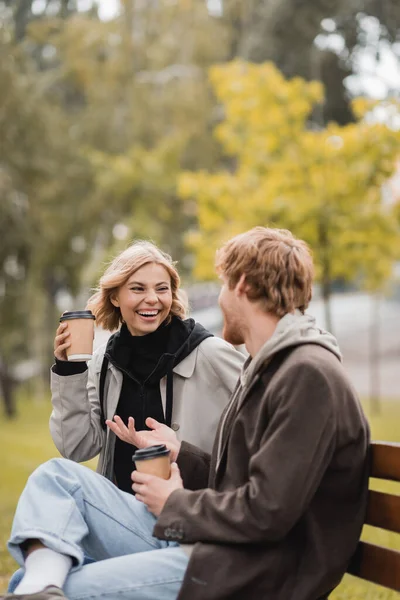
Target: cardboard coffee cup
[[80, 325], [153, 461]]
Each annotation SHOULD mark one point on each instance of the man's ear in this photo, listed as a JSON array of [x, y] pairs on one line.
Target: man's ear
[[242, 286]]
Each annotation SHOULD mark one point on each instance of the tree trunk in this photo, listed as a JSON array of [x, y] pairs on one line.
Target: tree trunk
[[7, 384]]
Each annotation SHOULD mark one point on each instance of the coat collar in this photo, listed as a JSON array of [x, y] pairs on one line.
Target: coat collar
[[241, 395], [186, 367]]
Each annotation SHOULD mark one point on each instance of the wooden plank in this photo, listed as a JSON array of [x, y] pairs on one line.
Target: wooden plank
[[383, 511], [385, 460], [376, 564]]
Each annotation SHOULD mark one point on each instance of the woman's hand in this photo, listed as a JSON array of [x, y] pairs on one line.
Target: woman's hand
[[159, 434], [61, 341]]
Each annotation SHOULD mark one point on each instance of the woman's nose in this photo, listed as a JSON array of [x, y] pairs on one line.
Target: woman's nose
[[151, 297]]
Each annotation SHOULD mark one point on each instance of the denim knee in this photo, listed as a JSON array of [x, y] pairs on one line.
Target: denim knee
[[15, 579]]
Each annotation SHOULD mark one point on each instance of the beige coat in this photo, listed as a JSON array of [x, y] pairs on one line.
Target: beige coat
[[202, 384]]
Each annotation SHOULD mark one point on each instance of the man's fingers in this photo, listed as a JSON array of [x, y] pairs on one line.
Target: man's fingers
[[140, 488], [175, 472], [138, 477]]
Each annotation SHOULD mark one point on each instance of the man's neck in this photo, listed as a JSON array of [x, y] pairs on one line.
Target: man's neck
[[260, 328]]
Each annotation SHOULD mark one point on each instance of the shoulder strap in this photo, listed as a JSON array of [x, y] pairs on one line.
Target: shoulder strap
[[103, 374]]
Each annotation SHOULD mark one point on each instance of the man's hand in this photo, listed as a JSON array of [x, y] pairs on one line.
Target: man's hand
[[154, 491], [159, 434]]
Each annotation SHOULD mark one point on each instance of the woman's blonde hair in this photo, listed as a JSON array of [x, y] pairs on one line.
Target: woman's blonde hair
[[278, 268], [137, 255]]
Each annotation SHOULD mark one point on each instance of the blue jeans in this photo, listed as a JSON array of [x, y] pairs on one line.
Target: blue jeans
[[77, 512]]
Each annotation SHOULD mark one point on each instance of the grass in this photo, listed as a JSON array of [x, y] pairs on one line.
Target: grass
[[26, 443]]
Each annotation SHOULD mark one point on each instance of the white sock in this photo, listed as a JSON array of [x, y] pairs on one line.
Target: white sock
[[44, 567]]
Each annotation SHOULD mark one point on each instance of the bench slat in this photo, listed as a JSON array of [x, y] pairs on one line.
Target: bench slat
[[376, 564], [385, 461], [383, 511]]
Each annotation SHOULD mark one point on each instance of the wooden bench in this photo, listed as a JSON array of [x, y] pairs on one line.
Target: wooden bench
[[375, 563]]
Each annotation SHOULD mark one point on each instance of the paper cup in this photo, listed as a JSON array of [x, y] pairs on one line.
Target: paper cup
[[80, 324], [153, 461]]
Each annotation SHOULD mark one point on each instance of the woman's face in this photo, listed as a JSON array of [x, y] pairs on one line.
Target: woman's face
[[145, 299]]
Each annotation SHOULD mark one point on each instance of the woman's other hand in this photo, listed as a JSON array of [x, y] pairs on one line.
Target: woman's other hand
[[159, 434], [61, 341]]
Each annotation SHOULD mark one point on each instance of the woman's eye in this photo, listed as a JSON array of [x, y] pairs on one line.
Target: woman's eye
[[136, 289], [163, 289]]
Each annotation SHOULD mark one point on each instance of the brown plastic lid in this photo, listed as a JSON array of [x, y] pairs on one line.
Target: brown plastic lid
[[151, 452]]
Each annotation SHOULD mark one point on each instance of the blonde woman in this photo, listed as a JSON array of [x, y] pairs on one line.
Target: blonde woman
[[159, 369]]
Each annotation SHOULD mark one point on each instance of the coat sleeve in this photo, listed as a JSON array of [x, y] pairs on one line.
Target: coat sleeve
[[75, 419], [194, 465], [284, 474]]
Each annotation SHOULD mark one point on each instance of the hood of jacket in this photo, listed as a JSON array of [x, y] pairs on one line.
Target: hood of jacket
[[294, 329], [185, 336], [168, 345]]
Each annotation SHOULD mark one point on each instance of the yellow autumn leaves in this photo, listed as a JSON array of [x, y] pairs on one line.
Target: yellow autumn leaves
[[282, 169]]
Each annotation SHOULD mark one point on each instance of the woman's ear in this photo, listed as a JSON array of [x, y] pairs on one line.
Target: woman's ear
[[114, 300]]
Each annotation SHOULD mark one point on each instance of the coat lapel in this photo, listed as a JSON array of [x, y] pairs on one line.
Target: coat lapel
[[239, 400]]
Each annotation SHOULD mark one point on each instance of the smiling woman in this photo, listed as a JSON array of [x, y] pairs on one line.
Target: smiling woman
[[158, 368], [145, 300]]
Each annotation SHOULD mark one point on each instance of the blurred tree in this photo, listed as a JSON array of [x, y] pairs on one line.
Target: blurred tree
[[20, 172], [42, 179], [325, 184], [316, 39], [98, 119], [25, 11], [137, 95]]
